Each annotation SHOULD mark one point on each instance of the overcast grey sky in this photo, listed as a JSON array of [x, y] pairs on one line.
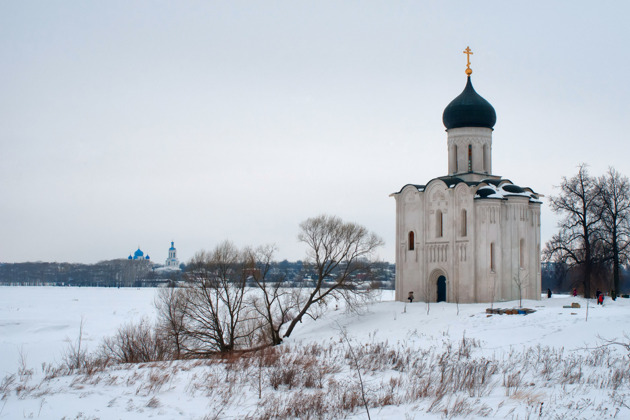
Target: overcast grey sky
[[126, 124]]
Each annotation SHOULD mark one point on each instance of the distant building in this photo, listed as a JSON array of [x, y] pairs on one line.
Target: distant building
[[138, 255], [172, 260]]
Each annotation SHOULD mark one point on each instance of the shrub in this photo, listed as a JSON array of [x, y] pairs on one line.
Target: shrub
[[135, 343]]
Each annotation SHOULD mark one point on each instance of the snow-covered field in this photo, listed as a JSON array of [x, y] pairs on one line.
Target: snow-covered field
[[38, 322], [541, 365]]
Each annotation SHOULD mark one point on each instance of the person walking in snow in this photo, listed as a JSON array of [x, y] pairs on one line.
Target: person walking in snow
[[600, 299], [574, 292], [548, 293], [410, 297]]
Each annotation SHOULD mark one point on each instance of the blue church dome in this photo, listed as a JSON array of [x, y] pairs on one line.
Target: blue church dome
[[138, 254], [469, 109]]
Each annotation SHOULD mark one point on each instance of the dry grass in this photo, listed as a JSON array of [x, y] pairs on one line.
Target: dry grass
[[319, 381]]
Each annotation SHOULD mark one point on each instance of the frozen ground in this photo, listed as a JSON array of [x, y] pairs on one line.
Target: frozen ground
[[36, 324]]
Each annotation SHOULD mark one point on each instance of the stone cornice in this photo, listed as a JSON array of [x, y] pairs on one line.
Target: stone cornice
[[459, 141], [470, 131]]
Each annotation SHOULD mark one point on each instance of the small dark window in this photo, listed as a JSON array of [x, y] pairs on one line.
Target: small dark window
[[485, 158], [456, 166], [439, 231], [411, 241], [464, 222], [470, 158]]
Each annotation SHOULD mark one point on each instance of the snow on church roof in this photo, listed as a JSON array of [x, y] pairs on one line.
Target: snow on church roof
[[501, 189], [487, 189]]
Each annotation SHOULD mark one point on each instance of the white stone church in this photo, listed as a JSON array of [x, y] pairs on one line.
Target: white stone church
[[469, 236]]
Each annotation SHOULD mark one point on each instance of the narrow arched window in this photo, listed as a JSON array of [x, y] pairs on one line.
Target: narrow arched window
[[492, 257], [411, 241], [464, 221], [456, 160], [485, 158], [470, 158], [438, 224], [522, 253]]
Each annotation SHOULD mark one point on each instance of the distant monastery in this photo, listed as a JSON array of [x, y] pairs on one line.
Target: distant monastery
[[138, 255], [469, 236], [171, 261]]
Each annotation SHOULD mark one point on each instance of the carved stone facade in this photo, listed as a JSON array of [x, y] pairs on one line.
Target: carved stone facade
[[469, 236]]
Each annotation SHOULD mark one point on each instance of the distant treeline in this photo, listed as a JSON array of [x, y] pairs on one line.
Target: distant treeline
[[120, 273], [560, 278], [142, 273]]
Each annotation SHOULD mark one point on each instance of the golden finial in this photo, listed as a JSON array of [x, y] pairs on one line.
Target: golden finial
[[468, 52]]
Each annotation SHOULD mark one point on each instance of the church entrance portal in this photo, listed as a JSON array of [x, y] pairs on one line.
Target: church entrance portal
[[441, 289]]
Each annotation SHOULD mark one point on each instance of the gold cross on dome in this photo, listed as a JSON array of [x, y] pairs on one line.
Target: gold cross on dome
[[468, 53]]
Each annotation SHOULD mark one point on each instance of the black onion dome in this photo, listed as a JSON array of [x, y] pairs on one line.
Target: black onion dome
[[469, 109]]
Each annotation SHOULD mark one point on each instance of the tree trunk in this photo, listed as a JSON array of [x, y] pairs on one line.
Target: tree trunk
[[586, 281], [615, 266]]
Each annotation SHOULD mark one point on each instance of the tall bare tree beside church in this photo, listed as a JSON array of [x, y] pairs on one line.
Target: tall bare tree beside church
[[579, 228], [614, 193]]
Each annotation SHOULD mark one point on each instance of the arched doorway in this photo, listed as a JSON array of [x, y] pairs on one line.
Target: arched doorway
[[441, 289]]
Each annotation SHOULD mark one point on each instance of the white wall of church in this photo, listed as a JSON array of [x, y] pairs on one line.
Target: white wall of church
[[480, 246], [521, 232], [489, 250], [410, 236], [442, 242], [470, 152]]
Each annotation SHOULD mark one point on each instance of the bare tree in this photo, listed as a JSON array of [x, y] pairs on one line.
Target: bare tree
[[520, 282], [456, 293], [171, 304], [579, 229], [427, 289], [275, 302], [357, 367], [493, 294], [215, 316], [340, 253], [614, 193], [76, 356], [215, 312]]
